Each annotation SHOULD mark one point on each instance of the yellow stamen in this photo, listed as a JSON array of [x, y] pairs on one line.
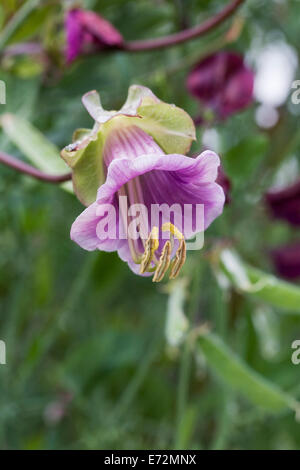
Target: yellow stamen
[[163, 263], [168, 227], [151, 246], [180, 258]]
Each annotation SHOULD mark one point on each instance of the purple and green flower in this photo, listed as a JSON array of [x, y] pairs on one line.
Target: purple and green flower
[[139, 153]]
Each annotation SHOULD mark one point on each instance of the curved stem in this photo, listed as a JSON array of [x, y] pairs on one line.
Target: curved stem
[[187, 34], [23, 167]]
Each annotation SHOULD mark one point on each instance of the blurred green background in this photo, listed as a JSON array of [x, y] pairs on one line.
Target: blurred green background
[[88, 362]]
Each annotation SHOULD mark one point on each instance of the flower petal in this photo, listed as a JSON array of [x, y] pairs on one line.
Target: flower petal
[[100, 29], [170, 179], [125, 255], [84, 231]]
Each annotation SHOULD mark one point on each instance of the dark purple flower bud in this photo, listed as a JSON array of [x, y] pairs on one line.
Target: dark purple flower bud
[[224, 182], [88, 32], [285, 204], [222, 82], [286, 260]]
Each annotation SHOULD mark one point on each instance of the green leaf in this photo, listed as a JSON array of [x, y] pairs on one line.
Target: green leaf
[[239, 376], [259, 284], [32, 143], [276, 292]]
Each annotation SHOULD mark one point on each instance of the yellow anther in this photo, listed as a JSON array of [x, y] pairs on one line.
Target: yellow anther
[[180, 255], [151, 246], [168, 227], [163, 263], [179, 260]]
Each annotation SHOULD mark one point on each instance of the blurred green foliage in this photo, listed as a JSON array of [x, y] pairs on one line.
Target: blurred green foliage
[[87, 361]]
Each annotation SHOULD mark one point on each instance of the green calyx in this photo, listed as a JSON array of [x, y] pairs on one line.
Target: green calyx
[[171, 128]]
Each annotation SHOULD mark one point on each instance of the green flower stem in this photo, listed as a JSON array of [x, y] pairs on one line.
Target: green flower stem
[[225, 422], [186, 359], [183, 392]]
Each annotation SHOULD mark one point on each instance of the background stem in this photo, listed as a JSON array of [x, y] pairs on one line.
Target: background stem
[[187, 34], [23, 167], [186, 360]]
